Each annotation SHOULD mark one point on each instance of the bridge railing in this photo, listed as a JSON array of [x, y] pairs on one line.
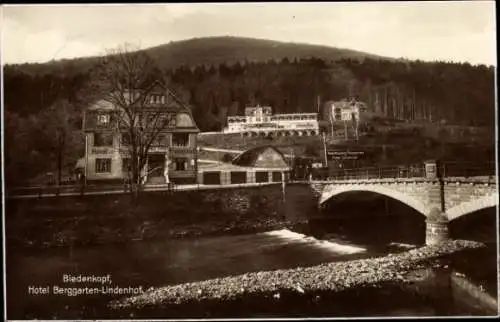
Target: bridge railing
[[448, 169], [458, 169], [378, 173]]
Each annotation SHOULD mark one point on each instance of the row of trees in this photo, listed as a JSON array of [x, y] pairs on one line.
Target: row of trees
[[43, 112], [47, 141], [409, 90]]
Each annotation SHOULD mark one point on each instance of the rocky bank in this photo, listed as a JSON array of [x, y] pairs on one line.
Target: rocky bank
[[271, 285]]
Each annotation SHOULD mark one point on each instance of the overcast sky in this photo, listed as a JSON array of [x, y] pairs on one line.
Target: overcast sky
[[457, 31]]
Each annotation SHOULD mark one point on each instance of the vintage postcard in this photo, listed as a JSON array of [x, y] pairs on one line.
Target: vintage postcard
[[249, 160]]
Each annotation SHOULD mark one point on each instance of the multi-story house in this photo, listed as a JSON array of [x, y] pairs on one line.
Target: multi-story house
[[345, 110], [259, 120], [171, 158]]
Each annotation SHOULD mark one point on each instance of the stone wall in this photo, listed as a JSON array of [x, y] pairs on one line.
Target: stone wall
[[301, 202], [263, 200], [457, 193]]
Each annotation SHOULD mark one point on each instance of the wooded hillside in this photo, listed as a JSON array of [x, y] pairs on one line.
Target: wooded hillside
[[219, 76]]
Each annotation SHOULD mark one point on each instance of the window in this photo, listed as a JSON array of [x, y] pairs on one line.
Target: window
[[180, 139], [102, 165], [103, 139], [170, 120], [180, 164], [211, 178], [238, 177], [160, 140], [276, 176], [126, 139], [103, 119], [261, 176], [126, 166]]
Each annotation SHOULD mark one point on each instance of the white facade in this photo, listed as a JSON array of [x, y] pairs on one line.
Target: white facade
[[346, 110], [259, 120]]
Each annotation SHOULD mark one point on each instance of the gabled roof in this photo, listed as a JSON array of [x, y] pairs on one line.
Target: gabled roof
[[173, 101], [172, 104], [250, 158]]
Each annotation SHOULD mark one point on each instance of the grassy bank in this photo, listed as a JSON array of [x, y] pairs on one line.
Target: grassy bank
[[213, 297]]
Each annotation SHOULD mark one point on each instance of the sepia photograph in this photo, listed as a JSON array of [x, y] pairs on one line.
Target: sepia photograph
[[281, 160]]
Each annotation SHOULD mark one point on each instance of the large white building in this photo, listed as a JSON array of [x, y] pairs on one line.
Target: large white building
[[259, 121]]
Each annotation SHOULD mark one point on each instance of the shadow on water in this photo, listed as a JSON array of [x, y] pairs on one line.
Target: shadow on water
[[378, 223], [480, 266]]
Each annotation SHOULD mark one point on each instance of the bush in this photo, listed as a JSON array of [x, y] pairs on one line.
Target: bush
[[228, 158]]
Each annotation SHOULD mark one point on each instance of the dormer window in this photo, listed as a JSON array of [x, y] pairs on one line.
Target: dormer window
[[103, 119]]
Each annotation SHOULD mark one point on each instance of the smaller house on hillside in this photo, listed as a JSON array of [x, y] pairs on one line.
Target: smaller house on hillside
[[345, 110], [257, 165]]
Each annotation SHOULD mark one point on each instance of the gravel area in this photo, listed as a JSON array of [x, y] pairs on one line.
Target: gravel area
[[331, 277]]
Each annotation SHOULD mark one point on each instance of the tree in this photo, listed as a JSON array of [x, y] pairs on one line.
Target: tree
[[228, 158], [126, 79], [60, 130]]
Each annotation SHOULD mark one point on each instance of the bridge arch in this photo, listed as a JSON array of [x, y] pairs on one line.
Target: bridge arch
[[471, 206], [378, 189]]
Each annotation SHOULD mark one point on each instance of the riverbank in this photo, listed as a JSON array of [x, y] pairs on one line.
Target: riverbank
[[210, 297], [108, 219]]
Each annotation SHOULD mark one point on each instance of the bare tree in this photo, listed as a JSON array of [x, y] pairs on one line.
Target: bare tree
[[126, 79]]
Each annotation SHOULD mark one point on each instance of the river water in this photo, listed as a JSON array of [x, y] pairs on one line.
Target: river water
[[158, 263]]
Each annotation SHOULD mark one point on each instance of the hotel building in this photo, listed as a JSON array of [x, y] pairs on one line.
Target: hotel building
[[259, 121], [171, 158]]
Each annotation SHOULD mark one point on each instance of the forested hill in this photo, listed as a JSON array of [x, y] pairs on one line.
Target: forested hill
[[219, 75], [208, 51]]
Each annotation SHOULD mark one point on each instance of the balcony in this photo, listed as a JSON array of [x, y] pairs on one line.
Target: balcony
[[158, 148], [101, 149], [182, 149]]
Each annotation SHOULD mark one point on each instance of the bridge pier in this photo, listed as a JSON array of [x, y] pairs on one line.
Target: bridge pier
[[436, 228]]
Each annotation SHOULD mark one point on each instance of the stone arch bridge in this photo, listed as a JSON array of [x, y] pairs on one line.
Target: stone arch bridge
[[441, 200]]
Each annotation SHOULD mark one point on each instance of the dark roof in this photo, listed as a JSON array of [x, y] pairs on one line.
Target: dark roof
[[249, 158]]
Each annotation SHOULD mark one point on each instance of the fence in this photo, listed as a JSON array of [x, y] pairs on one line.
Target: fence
[[458, 169], [447, 169], [80, 190]]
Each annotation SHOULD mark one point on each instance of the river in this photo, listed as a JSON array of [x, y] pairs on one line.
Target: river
[[158, 263]]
